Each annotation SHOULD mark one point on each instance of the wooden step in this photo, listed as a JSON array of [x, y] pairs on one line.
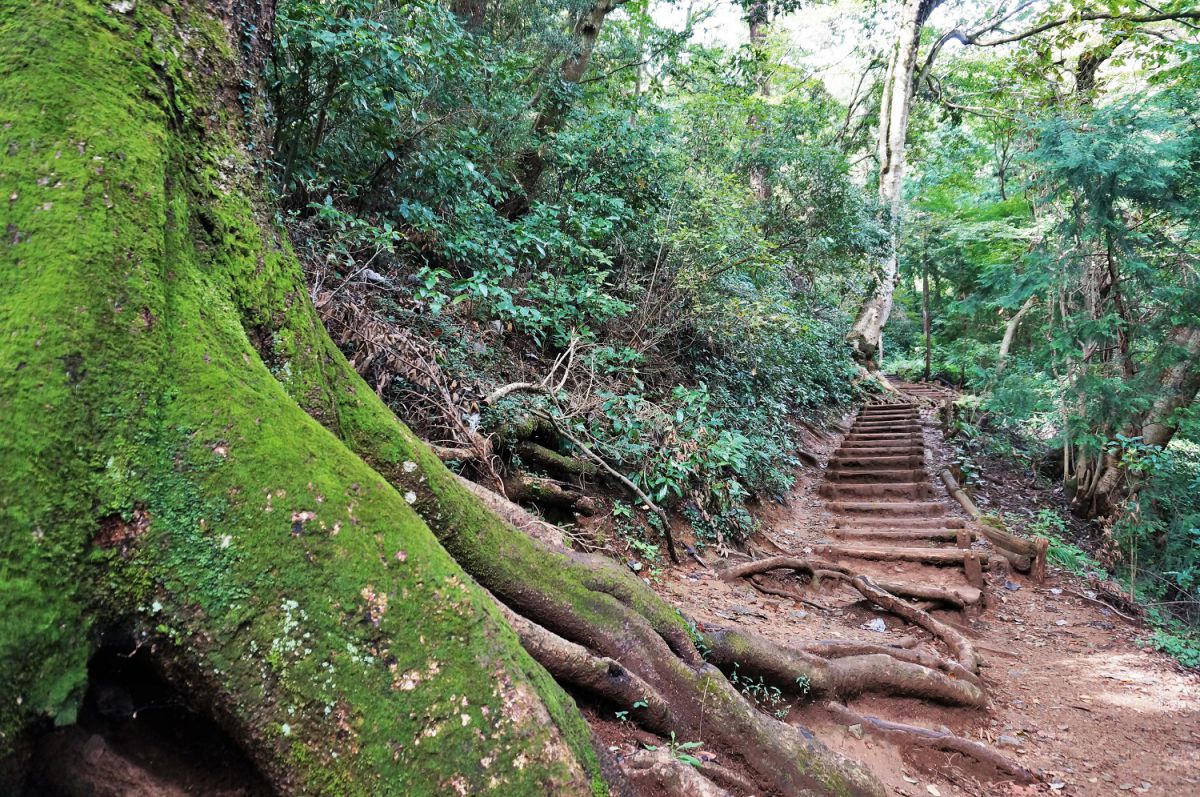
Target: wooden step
[[889, 535], [858, 452], [856, 436], [898, 423], [876, 475], [883, 508], [890, 439], [869, 492], [899, 523], [887, 553], [855, 461]]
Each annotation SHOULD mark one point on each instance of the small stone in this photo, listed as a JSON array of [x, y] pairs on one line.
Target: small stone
[[856, 730], [1011, 586], [1005, 740], [877, 625], [1060, 622]]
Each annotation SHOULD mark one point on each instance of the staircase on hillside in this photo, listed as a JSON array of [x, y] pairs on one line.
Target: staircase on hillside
[[887, 511]]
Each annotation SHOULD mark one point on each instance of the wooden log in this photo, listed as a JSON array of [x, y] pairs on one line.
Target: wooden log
[[973, 569], [1031, 553], [538, 454], [547, 492]]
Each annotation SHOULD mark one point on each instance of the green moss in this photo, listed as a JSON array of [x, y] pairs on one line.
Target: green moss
[[161, 472]]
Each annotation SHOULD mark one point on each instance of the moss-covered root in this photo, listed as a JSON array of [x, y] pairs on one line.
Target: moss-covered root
[[154, 472], [585, 600]]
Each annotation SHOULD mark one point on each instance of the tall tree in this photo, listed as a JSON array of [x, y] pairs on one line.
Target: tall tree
[[866, 333], [900, 86]]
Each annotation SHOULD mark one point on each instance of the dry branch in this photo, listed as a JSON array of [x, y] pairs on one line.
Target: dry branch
[[629, 485]]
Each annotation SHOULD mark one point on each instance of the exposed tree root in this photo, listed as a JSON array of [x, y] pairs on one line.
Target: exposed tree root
[[767, 589], [540, 530], [603, 677], [937, 740], [958, 644], [833, 649], [598, 629], [802, 672]]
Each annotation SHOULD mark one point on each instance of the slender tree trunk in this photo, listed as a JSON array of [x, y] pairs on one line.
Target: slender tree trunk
[[758, 17], [866, 332], [1010, 331], [925, 314], [531, 164]]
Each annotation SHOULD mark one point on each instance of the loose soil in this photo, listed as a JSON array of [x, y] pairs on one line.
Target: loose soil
[[1073, 692]]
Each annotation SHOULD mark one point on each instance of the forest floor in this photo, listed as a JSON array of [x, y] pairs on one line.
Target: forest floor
[[1073, 694]]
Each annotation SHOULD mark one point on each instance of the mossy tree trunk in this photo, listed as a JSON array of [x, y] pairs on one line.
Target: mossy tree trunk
[[188, 457], [157, 472]]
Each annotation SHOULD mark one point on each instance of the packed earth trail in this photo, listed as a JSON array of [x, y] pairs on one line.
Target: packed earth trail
[[1073, 699]]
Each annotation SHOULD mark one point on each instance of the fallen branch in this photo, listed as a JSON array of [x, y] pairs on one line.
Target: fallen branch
[[1103, 605], [629, 485], [514, 387], [447, 453], [937, 740]]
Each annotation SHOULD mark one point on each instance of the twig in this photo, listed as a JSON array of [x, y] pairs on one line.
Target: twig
[[1104, 605]]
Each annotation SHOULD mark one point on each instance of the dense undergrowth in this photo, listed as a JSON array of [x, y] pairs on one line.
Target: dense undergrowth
[[672, 316]]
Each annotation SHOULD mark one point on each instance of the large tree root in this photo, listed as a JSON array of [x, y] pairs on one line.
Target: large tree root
[[952, 638], [603, 677], [915, 735], [799, 671]]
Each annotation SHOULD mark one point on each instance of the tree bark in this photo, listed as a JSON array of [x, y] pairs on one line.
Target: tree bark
[[866, 334], [532, 162], [758, 15], [159, 476], [1178, 367], [192, 459], [1010, 331]]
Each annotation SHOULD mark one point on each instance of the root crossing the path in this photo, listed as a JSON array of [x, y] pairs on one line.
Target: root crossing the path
[[892, 623]]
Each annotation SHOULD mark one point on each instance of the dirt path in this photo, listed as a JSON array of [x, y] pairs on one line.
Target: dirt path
[[1071, 695]]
